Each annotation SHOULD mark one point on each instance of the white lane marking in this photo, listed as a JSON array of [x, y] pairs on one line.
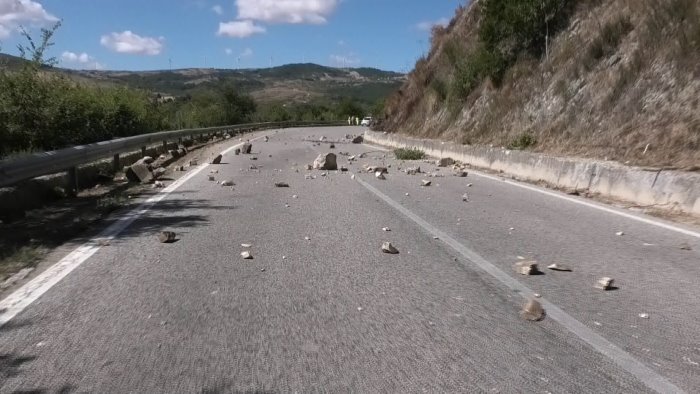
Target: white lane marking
[[636, 368], [579, 201], [32, 290]]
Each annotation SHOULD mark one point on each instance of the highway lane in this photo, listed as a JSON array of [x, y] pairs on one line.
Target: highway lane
[[333, 313]]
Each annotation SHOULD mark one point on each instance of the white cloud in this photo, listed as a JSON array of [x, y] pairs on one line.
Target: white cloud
[[246, 53], [228, 51], [128, 42], [287, 11], [347, 60], [219, 10], [14, 13], [82, 59], [239, 29], [428, 25]]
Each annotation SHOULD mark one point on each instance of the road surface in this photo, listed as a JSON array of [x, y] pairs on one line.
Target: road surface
[[321, 308]]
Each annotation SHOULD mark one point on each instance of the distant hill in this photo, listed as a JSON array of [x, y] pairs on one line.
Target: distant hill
[[291, 83]]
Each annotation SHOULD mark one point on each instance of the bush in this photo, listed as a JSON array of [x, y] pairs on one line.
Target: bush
[[409, 154], [523, 141]]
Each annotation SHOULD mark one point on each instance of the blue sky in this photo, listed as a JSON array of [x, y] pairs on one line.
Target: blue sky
[[149, 34]]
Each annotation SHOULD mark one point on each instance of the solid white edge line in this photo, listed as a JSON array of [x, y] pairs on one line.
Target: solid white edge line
[[626, 361], [579, 201], [21, 298]]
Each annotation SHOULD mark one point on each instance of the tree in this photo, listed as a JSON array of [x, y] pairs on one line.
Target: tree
[[36, 53]]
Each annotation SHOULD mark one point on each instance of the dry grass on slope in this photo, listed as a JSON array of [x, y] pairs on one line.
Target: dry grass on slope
[[621, 82]]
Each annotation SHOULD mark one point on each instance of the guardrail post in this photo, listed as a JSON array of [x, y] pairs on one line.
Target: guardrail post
[[72, 186], [115, 163]]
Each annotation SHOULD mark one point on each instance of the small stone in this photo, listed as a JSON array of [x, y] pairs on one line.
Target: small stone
[[413, 170], [352, 176], [379, 175], [307, 238], [193, 162], [253, 167], [295, 196], [387, 247], [309, 167], [620, 233], [460, 174], [246, 148], [158, 184], [246, 255], [445, 162], [386, 229], [343, 169], [237, 151], [558, 267], [281, 184], [526, 267], [469, 185], [332, 146], [326, 161], [246, 246], [266, 139], [685, 246], [425, 183], [217, 159], [537, 295], [359, 309], [604, 283], [407, 194], [167, 237], [254, 158], [227, 183], [532, 311], [212, 178], [465, 197], [644, 315], [358, 140], [262, 269]]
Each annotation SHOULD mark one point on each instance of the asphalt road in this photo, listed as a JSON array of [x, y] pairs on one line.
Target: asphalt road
[[321, 309]]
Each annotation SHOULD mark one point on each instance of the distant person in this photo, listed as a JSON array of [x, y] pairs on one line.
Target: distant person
[[349, 120]]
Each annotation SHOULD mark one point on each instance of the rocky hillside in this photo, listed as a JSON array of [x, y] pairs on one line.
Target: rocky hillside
[[605, 79]]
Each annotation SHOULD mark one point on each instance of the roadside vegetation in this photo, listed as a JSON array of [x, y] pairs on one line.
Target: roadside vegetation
[[409, 154], [43, 110]]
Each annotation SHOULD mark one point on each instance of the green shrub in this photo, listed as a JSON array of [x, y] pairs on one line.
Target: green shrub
[[523, 141], [409, 154]]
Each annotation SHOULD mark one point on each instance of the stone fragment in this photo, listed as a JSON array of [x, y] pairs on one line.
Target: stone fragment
[[167, 237], [266, 139], [425, 183], [212, 178], [139, 173], [358, 140], [343, 169], [227, 183], [644, 315], [246, 246], [604, 283], [526, 267], [237, 151], [246, 148], [246, 255], [685, 246], [217, 159], [332, 146], [559, 267], [193, 162], [309, 167], [379, 175], [413, 170], [620, 233], [460, 173], [445, 162], [532, 311], [465, 197], [386, 229], [158, 185], [158, 172], [281, 184], [351, 158], [326, 161], [387, 247], [352, 177]]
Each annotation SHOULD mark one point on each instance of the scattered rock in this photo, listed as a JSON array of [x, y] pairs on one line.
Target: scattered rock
[[425, 183], [326, 161], [558, 267], [193, 162], [212, 178], [685, 246], [323, 138], [237, 151], [386, 229], [253, 158], [332, 146], [526, 267], [644, 315], [469, 185], [307, 238], [379, 175], [465, 197], [139, 172], [246, 255], [604, 283], [352, 177], [532, 311], [158, 185], [281, 184], [358, 140], [246, 246], [460, 173], [266, 139], [227, 183], [158, 172], [217, 159], [167, 237], [246, 148], [445, 162], [620, 233], [351, 158], [387, 247], [309, 167], [343, 169], [413, 170]]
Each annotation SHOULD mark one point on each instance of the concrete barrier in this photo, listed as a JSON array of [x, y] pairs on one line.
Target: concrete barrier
[[665, 189]]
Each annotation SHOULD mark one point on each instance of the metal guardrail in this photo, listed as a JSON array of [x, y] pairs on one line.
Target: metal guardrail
[[46, 163]]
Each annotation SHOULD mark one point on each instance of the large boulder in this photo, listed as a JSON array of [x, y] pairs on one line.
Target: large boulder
[[326, 161], [139, 172], [246, 148], [217, 159], [358, 140], [445, 162]]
